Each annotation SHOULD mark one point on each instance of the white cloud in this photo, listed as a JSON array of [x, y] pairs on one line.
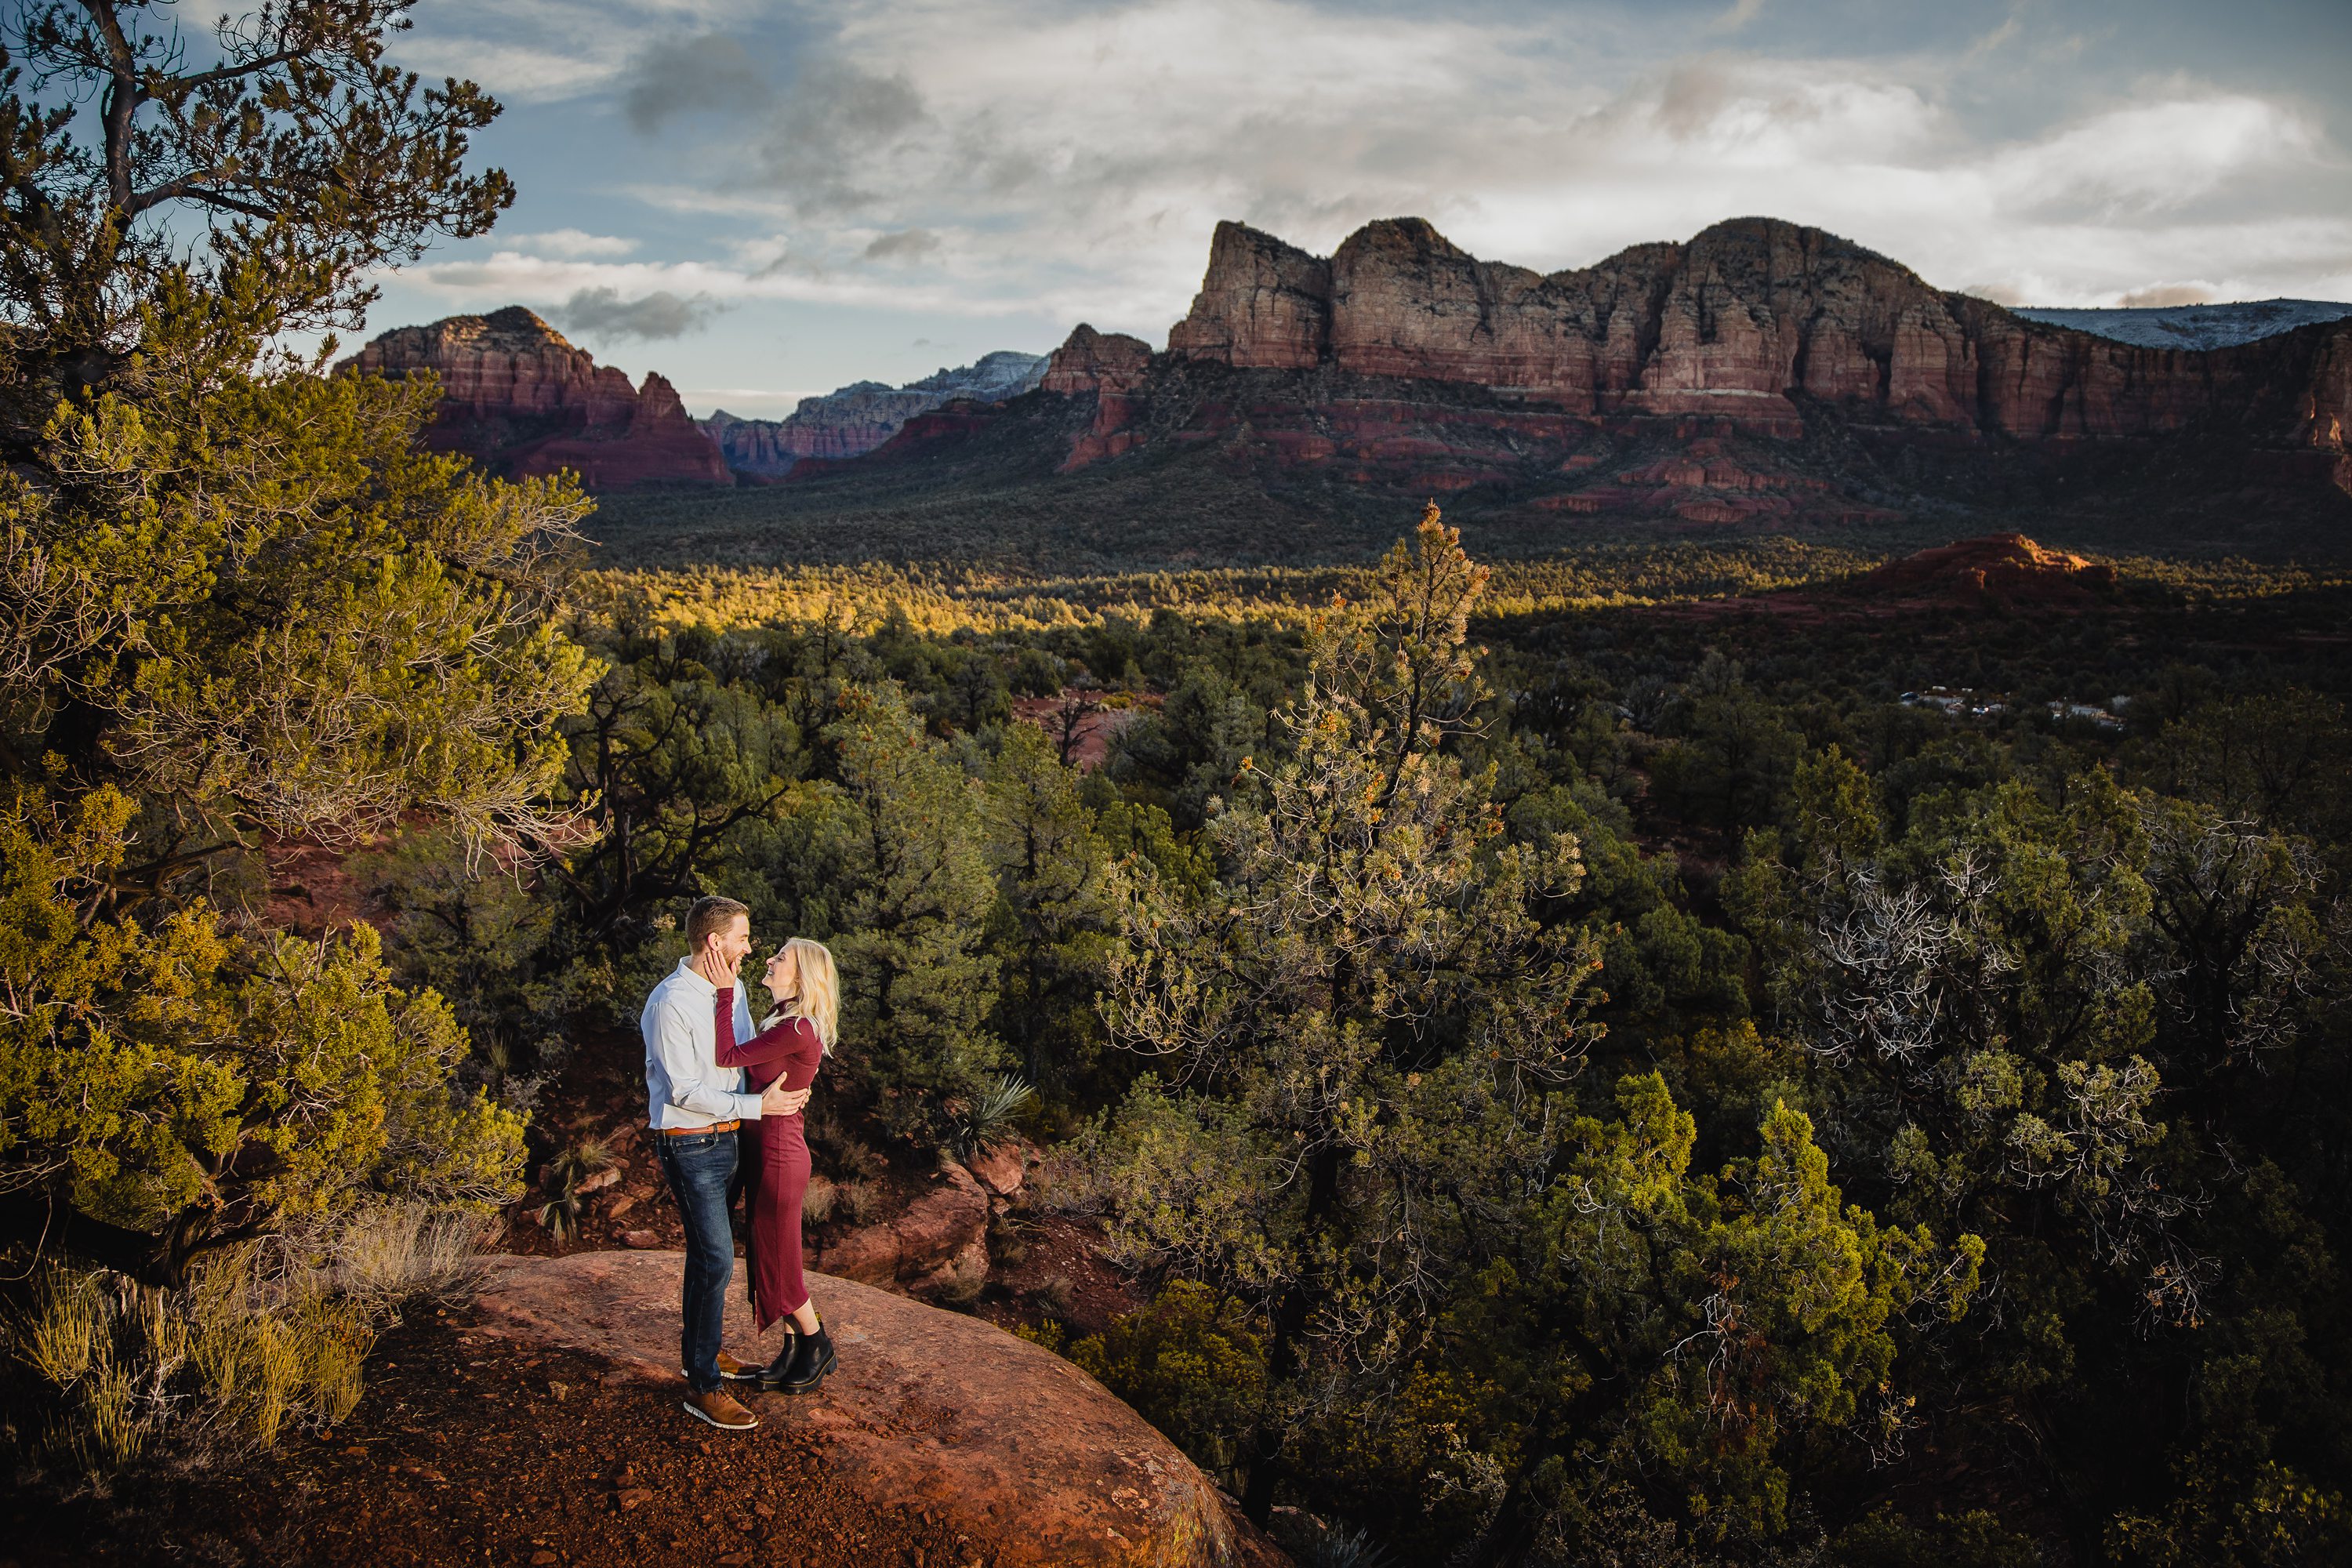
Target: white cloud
[[1071, 160], [539, 51], [571, 242]]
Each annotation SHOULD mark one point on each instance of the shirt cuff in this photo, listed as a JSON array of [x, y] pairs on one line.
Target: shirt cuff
[[747, 1107]]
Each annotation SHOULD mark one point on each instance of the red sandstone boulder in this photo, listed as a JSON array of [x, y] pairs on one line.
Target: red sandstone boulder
[[1000, 1167], [935, 1244], [519, 400], [1016, 1448]]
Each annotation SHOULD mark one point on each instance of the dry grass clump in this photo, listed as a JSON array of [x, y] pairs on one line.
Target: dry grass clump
[[260, 1338], [858, 1200]]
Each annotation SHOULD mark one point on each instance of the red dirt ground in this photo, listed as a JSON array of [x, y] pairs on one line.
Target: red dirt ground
[[467, 1450]]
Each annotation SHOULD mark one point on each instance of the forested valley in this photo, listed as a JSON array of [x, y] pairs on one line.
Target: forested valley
[[1606, 1076]]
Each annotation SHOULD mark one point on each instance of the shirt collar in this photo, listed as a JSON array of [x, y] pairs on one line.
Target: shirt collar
[[693, 977]]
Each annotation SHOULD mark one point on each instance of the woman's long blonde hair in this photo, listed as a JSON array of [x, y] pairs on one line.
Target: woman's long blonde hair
[[820, 995]]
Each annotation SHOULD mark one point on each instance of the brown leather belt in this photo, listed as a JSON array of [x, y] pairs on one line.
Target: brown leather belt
[[690, 1131]]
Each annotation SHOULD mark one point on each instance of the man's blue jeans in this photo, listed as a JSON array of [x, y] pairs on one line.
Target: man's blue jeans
[[700, 1166]]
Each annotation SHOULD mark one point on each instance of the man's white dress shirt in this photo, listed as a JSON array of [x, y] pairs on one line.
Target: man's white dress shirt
[[683, 1083]]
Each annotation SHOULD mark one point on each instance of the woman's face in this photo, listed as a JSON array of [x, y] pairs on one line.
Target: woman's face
[[784, 974]]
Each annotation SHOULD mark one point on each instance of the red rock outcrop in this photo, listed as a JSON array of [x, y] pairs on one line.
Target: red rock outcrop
[[1739, 325], [2002, 568], [1015, 1448], [521, 400], [1092, 361], [1111, 367], [1263, 305], [940, 1243]]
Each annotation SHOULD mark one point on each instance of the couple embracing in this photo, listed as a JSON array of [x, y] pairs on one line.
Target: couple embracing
[[726, 1116]]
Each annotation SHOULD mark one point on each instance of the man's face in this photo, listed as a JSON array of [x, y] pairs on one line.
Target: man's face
[[730, 946]]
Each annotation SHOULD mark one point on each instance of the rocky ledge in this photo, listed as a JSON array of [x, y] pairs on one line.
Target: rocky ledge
[[931, 1412]]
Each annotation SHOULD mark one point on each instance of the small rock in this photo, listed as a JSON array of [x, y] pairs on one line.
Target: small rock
[[636, 1496], [999, 1168], [541, 1558], [643, 1240]]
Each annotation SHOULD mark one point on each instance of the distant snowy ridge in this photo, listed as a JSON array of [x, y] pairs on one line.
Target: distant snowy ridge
[[2193, 326], [862, 416]]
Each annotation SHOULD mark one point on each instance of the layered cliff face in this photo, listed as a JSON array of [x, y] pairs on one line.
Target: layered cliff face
[[521, 400], [1744, 322], [863, 416], [1761, 372], [1263, 305], [1109, 368]]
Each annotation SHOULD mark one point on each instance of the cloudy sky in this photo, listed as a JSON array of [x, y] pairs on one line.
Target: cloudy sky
[[763, 199]]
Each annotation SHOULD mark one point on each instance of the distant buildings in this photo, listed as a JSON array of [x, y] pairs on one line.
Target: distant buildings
[[1958, 701], [1966, 702]]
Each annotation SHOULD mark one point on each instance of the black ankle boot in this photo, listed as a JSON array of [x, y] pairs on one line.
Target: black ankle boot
[[813, 1357], [767, 1376]]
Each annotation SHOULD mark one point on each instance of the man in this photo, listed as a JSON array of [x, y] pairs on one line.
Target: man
[[696, 1109]]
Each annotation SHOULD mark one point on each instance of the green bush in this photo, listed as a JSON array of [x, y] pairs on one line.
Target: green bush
[[1193, 1363]]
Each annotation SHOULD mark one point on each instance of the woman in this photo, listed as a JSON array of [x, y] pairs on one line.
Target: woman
[[807, 989]]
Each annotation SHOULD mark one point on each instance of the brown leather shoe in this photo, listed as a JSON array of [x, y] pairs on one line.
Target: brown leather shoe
[[730, 1369], [719, 1408]]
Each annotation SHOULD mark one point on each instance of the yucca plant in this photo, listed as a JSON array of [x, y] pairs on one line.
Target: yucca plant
[[987, 1119], [1345, 1548], [562, 1179]]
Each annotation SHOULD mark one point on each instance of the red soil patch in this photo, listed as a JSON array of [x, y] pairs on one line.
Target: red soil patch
[[469, 1449], [1089, 718], [1049, 1266]]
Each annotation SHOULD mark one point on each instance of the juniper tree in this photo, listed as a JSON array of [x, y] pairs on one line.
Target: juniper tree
[[1056, 908], [171, 1090], [233, 586], [1357, 1027], [237, 604], [888, 862], [267, 168], [2062, 1014]]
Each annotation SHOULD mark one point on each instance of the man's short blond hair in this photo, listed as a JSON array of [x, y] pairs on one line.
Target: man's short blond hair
[[709, 916]]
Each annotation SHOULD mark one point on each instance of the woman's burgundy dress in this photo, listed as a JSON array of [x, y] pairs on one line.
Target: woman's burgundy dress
[[777, 1180]]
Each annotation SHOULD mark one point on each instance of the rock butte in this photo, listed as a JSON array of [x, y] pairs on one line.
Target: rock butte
[[2003, 568], [1741, 322], [521, 400], [1747, 331], [1755, 374], [1010, 1444]]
